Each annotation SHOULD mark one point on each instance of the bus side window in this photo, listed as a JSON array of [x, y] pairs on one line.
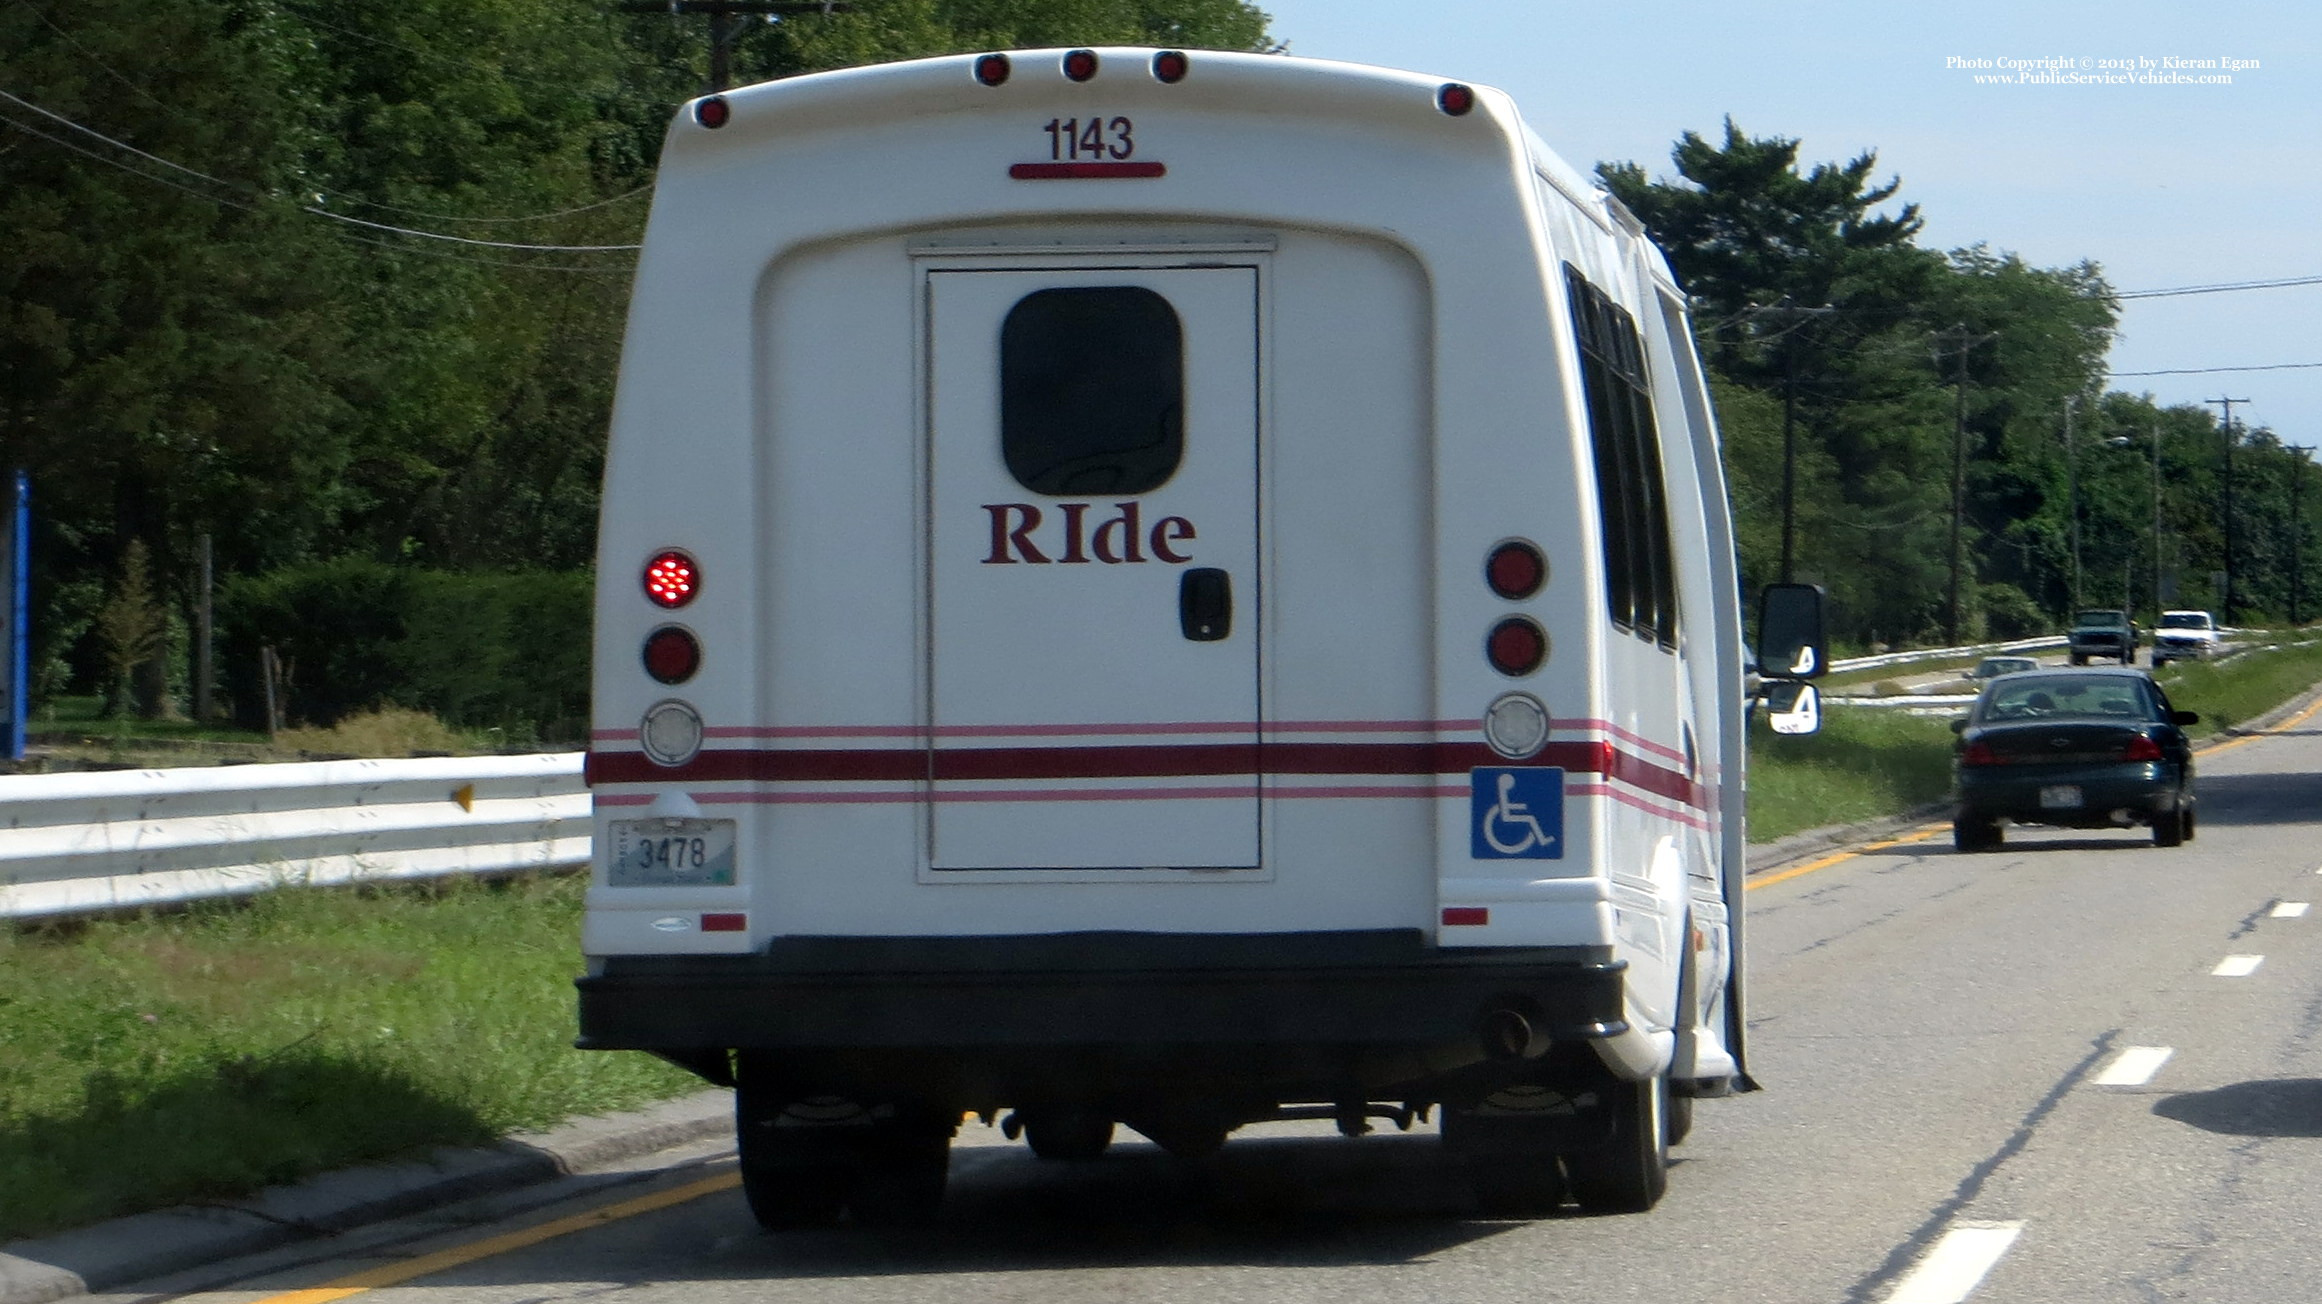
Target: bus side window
[[1632, 497]]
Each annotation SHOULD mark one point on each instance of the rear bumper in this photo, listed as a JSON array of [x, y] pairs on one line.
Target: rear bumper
[[2144, 789], [1085, 1015]]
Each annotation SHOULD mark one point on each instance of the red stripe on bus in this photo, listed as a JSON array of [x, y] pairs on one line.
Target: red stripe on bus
[[1083, 171]]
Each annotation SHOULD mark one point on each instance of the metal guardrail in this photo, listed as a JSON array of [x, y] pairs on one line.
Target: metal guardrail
[[86, 842], [2040, 644]]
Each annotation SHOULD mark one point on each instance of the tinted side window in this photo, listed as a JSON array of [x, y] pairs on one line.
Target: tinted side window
[[1632, 498], [1092, 390]]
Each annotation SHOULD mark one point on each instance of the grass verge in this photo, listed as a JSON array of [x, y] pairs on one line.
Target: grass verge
[[205, 1053]]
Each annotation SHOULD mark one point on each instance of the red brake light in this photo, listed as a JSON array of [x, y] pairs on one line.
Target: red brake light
[[672, 654], [1080, 65], [1980, 753], [1455, 99], [671, 579], [2141, 748], [992, 69], [1516, 570], [1170, 67], [713, 112], [1516, 646]]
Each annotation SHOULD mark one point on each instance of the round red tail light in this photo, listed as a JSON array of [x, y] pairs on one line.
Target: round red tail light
[[1516, 646], [1516, 570], [1455, 99], [713, 112], [1170, 67], [1080, 65], [672, 654], [671, 579], [992, 69]]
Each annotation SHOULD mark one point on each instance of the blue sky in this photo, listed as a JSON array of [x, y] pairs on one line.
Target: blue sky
[[2162, 185]]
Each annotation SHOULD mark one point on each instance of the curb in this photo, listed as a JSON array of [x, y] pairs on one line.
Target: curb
[[147, 1245]]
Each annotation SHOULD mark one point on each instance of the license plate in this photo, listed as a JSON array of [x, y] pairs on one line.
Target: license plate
[[2060, 796], [671, 852]]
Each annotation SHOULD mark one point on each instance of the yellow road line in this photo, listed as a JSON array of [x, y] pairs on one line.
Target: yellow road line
[[397, 1273], [2291, 723]]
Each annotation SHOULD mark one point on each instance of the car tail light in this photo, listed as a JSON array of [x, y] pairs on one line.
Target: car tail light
[[1516, 646], [1980, 753], [672, 654], [672, 578], [1170, 67], [2141, 748], [1080, 65], [1516, 570], [992, 69]]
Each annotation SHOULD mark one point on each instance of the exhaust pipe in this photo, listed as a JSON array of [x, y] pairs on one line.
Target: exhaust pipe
[[1507, 1034]]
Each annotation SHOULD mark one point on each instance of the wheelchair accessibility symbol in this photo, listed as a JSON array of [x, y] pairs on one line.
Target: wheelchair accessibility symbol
[[1516, 813]]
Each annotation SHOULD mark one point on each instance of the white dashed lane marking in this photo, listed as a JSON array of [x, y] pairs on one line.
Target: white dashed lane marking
[[2134, 1066], [2290, 909], [2237, 966], [1956, 1265]]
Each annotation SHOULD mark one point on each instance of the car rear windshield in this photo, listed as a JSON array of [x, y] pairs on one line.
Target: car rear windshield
[[2186, 620], [2103, 618], [2110, 697]]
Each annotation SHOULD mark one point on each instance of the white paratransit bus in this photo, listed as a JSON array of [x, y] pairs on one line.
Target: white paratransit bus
[[1176, 589]]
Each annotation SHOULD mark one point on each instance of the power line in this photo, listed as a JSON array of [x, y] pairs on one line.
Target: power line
[[2208, 371], [304, 208], [2221, 288]]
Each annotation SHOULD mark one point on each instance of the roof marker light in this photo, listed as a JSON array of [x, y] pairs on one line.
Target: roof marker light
[[992, 69], [1455, 99], [1080, 65], [713, 112], [1170, 67]]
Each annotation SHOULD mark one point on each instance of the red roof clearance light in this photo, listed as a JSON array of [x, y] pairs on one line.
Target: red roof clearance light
[[713, 112], [992, 69], [672, 654], [1516, 646], [1170, 67], [672, 579], [1080, 65], [1455, 99], [1516, 570]]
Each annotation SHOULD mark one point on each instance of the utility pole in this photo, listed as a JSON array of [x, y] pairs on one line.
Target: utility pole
[[2156, 523], [2297, 543], [2227, 422], [722, 29], [1962, 340], [2072, 496]]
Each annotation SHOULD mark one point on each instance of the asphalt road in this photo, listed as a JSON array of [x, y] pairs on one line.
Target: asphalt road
[[1935, 1033]]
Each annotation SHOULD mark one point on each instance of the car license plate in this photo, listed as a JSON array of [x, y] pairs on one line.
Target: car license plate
[[671, 853], [2060, 796]]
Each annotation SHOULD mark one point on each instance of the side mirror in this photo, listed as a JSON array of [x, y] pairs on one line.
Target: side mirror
[[1790, 637], [1959, 725], [1793, 706], [2184, 717]]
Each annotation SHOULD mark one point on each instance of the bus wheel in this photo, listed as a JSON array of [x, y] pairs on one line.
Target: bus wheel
[[1067, 1135], [1629, 1172], [795, 1176]]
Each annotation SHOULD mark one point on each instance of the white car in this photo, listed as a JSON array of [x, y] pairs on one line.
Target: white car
[[2184, 636]]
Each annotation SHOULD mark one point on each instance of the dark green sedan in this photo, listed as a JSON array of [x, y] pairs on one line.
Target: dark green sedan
[[2079, 749]]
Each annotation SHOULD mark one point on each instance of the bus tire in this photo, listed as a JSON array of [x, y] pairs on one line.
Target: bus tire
[[901, 1171], [792, 1177], [1630, 1171], [1067, 1135]]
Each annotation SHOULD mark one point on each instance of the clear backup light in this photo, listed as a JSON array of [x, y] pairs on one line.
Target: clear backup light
[[1516, 726], [671, 732], [672, 579]]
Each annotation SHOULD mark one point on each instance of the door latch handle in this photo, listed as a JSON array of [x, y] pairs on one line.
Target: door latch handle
[[1205, 604]]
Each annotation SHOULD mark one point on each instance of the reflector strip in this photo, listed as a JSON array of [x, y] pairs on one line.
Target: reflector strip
[[725, 923], [1456, 915], [1084, 171]]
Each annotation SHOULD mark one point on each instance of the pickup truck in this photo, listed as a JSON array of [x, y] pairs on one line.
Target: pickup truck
[[2184, 636], [2102, 633]]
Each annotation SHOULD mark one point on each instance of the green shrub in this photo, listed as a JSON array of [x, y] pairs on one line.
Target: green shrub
[[506, 650]]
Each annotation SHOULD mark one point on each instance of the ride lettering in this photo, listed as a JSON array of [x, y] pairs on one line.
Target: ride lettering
[[1118, 539]]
